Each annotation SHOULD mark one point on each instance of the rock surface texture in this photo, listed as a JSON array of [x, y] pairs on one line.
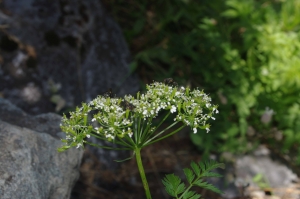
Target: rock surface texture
[[254, 173], [53, 56], [30, 166], [59, 53]]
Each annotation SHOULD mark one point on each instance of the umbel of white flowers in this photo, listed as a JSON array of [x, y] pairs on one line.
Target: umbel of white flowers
[[130, 118]]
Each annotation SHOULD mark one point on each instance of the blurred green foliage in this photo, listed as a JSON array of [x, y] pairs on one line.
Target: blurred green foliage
[[245, 53]]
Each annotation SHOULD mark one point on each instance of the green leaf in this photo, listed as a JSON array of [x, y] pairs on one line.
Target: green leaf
[[208, 186], [195, 168], [211, 174], [230, 13], [189, 175], [210, 165], [63, 148], [173, 185], [191, 195], [197, 196]]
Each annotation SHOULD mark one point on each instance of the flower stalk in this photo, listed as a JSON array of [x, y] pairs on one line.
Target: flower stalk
[[142, 172]]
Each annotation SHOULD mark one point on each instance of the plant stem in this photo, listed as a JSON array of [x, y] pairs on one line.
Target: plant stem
[[142, 172]]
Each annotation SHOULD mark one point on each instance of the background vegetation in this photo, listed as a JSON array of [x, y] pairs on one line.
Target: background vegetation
[[245, 53]]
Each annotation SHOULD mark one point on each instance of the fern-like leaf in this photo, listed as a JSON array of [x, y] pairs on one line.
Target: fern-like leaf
[[173, 185], [196, 196], [191, 195], [211, 174], [210, 165], [189, 175], [196, 168], [208, 186]]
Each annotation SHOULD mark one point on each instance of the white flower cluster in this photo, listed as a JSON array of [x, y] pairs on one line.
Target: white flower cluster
[[106, 113], [111, 117], [193, 107]]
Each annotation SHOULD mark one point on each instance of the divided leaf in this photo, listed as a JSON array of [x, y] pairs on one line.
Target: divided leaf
[[189, 175], [173, 185], [210, 165], [208, 186], [211, 174], [196, 169], [191, 195]]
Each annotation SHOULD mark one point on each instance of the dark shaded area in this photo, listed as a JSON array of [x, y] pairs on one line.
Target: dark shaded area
[[56, 55], [51, 38], [7, 44]]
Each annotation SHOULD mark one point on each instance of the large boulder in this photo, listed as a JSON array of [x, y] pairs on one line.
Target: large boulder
[[53, 56], [59, 53], [56, 54], [30, 166]]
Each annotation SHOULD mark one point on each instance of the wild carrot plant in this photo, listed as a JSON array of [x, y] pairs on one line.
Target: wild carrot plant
[[129, 123]]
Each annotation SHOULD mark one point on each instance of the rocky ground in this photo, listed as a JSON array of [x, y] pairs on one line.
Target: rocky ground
[[168, 156]]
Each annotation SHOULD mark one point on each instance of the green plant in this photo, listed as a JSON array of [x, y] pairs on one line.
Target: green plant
[[244, 52], [176, 188], [258, 66], [261, 181], [129, 123]]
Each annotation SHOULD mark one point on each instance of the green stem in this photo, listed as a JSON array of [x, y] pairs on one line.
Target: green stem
[[191, 185], [142, 172], [150, 141], [168, 135], [166, 116]]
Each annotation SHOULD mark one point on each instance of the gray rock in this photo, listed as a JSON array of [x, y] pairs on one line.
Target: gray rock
[[30, 166], [55, 55], [267, 172], [61, 51], [47, 123], [241, 171]]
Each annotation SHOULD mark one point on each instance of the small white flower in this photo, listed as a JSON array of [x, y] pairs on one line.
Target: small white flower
[[88, 135], [173, 109], [195, 130], [130, 134], [207, 130], [187, 122], [94, 119], [78, 145], [216, 110], [145, 112], [213, 118], [109, 136]]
